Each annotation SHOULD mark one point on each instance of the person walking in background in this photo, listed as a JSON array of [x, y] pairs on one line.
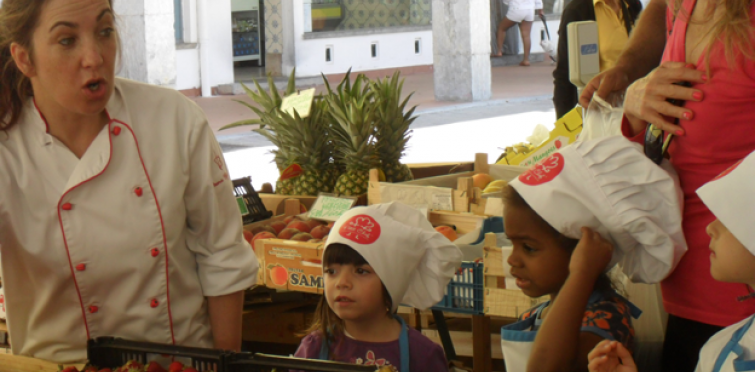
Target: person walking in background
[[523, 13], [615, 19]]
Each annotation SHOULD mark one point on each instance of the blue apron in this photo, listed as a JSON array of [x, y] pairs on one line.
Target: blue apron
[[403, 345], [740, 365], [518, 338]]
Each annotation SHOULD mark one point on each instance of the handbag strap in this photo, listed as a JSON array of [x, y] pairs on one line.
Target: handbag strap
[[542, 18]]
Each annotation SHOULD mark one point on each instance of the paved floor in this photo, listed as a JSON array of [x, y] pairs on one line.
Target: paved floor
[[509, 82]]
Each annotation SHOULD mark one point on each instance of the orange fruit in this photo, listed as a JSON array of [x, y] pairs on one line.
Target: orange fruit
[[481, 180], [448, 232]]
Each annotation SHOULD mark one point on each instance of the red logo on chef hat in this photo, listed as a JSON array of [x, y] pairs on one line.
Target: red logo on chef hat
[[362, 229], [544, 171], [731, 169]]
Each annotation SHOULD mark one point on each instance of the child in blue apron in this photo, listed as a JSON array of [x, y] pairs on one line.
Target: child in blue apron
[[571, 217], [376, 258], [731, 198]]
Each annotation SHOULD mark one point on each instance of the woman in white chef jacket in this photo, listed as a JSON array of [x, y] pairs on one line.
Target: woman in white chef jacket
[[117, 215]]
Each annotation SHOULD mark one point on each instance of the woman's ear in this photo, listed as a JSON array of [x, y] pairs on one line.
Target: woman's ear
[[22, 58]]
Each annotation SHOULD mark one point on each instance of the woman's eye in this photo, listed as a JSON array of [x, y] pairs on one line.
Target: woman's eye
[[330, 271], [528, 249], [362, 271], [107, 32], [66, 41]]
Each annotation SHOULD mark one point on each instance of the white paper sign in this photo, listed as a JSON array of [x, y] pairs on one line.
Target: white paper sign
[[432, 197]]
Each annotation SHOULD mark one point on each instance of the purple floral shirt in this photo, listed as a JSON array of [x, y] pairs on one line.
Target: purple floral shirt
[[424, 355]]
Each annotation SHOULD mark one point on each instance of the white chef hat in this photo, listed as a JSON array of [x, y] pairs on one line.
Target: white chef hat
[[414, 261], [731, 198], [610, 186]]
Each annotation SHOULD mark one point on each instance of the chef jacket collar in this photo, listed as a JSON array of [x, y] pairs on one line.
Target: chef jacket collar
[[114, 110]]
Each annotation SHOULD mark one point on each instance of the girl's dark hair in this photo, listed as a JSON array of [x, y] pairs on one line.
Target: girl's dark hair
[[325, 322], [512, 198], [18, 20]]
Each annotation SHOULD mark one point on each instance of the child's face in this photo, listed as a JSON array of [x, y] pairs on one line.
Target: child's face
[[354, 293], [730, 261], [538, 262]]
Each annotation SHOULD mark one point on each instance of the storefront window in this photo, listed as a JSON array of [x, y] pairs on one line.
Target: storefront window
[[344, 15]]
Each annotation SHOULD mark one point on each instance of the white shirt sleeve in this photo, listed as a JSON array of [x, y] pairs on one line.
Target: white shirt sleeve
[[226, 263]]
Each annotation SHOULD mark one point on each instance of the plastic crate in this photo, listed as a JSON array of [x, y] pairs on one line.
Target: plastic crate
[[250, 204], [464, 293], [247, 362], [110, 352]]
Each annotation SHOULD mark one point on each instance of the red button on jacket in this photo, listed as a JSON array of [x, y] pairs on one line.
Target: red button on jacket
[[67, 206], [138, 191], [155, 252], [93, 309], [116, 131], [154, 303], [81, 267]]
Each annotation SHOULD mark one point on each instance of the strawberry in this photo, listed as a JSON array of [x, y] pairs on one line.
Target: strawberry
[[68, 369], [155, 367], [176, 367], [89, 368]]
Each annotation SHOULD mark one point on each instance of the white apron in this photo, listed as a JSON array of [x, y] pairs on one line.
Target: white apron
[[518, 338], [731, 358]]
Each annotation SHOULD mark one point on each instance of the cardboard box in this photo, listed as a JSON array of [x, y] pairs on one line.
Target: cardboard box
[[292, 265], [566, 131]]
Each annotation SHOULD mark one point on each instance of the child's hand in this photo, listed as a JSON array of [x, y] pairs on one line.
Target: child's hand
[[610, 356], [592, 255]]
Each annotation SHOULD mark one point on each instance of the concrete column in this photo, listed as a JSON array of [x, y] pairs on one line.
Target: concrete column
[[148, 42], [288, 58], [461, 50]]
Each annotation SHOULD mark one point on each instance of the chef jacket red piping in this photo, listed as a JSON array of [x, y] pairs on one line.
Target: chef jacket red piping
[[65, 240], [162, 225], [47, 126]]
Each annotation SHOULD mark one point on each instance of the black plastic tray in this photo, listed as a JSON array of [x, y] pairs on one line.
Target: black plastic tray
[[110, 352], [242, 187]]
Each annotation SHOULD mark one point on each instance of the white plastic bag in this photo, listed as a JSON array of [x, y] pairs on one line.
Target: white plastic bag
[[601, 120]]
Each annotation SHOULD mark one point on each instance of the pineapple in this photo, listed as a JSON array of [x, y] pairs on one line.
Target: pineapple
[[269, 103], [354, 130], [392, 127], [310, 142]]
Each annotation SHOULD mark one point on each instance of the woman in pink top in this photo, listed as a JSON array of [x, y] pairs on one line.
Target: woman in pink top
[[714, 130]]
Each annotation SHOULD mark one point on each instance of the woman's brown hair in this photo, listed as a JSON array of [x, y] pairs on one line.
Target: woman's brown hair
[[18, 20], [734, 29], [512, 198], [325, 322]]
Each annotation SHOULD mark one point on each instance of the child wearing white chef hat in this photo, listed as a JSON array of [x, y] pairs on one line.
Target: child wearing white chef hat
[[376, 258], [731, 198], [571, 217]]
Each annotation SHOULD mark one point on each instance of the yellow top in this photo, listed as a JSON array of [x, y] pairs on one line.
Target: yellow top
[[612, 34]]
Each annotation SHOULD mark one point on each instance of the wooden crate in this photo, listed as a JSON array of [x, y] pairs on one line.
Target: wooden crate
[[276, 203], [465, 197], [292, 208], [498, 300]]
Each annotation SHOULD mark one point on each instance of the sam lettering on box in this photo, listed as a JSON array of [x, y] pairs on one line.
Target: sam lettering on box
[[304, 280]]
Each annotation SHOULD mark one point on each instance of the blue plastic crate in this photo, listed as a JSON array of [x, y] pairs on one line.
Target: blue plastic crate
[[465, 291]]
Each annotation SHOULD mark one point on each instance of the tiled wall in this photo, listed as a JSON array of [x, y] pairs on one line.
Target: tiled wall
[[359, 14], [273, 26]]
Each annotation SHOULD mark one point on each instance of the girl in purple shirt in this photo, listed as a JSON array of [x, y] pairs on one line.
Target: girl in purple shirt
[[376, 258]]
